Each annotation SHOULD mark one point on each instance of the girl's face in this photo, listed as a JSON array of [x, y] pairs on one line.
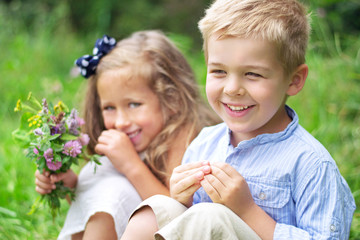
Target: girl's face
[[130, 106]]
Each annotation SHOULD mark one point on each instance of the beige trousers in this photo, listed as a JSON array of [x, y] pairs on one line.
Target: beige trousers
[[203, 221]]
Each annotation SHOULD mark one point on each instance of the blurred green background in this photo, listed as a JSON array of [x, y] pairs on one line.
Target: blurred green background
[[40, 39]]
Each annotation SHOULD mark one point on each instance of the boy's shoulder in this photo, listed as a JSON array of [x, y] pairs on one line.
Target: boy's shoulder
[[210, 137], [308, 143], [213, 132]]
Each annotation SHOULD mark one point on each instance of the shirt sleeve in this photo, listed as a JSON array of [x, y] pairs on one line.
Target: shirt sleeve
[[324, 206]]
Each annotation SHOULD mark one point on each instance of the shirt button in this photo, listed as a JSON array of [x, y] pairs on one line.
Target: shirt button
[[332, 228], [262, 196]]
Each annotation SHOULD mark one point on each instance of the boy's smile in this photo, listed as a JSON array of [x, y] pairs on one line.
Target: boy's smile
[[246, 86]]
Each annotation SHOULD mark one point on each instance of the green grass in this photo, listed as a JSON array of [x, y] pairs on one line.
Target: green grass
[[328, 107]]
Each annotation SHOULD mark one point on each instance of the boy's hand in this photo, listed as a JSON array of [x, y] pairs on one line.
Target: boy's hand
[[185, 180], [226, 186], [117, 146], [45, 183]]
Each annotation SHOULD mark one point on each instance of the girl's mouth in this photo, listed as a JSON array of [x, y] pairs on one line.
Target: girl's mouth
[[134, 134]]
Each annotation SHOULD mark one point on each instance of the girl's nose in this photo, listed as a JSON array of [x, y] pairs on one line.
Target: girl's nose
[[234, 86], [122, 121]]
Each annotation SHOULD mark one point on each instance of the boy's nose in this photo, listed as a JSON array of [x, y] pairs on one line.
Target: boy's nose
[[234, 86]]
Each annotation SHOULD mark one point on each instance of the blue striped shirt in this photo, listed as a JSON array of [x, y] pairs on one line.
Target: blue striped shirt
[[291, 176]]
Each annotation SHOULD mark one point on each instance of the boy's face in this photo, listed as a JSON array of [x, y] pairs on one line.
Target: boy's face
[[246, 86]]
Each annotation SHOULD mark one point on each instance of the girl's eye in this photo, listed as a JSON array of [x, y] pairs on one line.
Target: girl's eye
[[251, 74], [108, 108], [134, 105]]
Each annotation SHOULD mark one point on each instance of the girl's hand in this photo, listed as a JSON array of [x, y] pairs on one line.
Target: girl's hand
[[185, 180], [116, 145], [45, 183], [226, 186]]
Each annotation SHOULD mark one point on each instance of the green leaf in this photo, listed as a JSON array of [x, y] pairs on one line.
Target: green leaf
[[66, 159], [21, 137], [68, 137], [34, 101], [57, 158], [45, 145], [35, 205], [52, 137], [42, 165], [57, 147], [24, 123]]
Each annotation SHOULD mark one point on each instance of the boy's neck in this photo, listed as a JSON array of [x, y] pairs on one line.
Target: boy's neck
[[278, 123]]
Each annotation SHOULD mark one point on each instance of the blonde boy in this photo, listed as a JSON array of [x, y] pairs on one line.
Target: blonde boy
[[267, 177]]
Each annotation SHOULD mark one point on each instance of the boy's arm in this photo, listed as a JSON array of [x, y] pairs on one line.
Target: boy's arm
[[324, 206], [324, 203], [226, 186]]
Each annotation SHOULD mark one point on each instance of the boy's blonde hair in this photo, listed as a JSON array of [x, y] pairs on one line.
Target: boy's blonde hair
[[282, 22], [154, 58]]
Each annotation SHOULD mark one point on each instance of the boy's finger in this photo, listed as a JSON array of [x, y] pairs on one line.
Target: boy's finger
[[226, 168], [187, 182], [190, 166], [221, 174], [179, 176], [208, 184]]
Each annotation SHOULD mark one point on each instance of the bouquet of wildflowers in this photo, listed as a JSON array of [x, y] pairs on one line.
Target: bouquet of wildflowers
[[52, 138]]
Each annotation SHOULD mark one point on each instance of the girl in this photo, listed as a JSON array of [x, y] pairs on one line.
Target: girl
[[142, 109]]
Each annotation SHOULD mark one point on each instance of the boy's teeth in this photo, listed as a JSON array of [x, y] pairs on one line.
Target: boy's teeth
[[235, 108]]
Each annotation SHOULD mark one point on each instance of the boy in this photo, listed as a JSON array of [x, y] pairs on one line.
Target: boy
[[267, 177]]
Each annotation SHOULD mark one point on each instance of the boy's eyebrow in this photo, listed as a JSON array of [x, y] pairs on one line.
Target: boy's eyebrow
[[216, 64]]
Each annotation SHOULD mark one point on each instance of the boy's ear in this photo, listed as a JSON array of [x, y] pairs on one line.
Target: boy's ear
[[298, 79]]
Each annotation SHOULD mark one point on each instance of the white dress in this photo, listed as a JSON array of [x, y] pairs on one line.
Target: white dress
[[106, 190]]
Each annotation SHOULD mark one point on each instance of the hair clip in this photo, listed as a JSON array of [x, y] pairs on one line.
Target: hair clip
[[88, 63]]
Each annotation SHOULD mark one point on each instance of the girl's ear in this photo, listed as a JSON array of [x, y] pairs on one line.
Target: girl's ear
[[298, 79]]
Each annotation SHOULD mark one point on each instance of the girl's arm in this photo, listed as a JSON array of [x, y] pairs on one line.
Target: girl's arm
[[45, 182], [119, 149]]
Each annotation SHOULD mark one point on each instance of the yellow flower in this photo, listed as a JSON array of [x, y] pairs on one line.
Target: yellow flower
[[33, 120], [18, 106], [59, 107]]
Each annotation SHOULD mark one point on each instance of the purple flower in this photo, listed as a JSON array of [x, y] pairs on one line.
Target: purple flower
[[58, 129], [49, 154], [45, 106], [84, 139], [35, 150], [53, 165], [38, 132], [74, 122], [80, 121], [72, 148]]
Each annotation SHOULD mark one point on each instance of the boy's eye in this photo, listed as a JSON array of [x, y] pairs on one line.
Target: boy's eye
[[218, 72], [134, 105], [252, 74]]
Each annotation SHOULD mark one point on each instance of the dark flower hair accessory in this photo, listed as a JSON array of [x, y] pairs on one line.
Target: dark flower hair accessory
[[88, 63]]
